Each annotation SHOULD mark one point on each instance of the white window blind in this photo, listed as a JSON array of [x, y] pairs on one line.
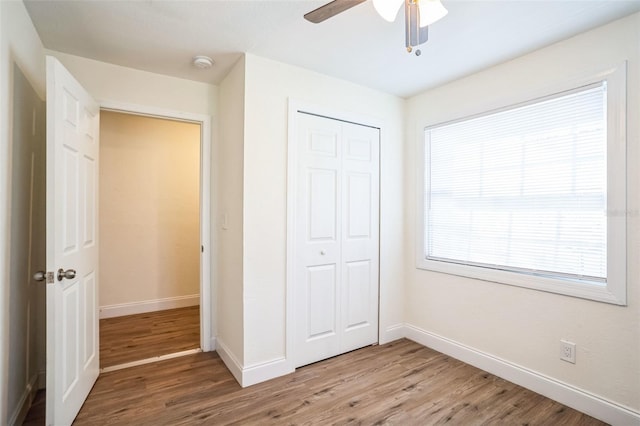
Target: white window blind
[[523, 189]]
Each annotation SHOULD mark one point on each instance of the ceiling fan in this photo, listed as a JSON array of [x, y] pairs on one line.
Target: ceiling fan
[[419, 14]]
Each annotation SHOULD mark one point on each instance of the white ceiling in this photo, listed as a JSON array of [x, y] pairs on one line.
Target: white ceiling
[[357, 45]]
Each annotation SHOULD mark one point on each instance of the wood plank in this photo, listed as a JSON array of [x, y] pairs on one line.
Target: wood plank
[[397, 383], [141, 336]]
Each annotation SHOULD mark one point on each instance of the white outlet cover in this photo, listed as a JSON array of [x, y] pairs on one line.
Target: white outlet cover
[[568, 351]]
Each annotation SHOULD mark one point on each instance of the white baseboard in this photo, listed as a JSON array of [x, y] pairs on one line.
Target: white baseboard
[[142, 307], [22, 408], [229, 360], [253, 374], [566, 394], [262, 372], [391, 333], [212, 344]]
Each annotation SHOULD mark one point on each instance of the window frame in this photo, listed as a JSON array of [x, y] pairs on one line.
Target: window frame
[[614, 290]]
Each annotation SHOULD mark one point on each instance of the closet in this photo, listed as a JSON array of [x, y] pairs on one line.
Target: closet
[[336, 254]]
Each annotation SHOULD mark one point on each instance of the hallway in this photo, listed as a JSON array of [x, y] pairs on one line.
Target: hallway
[[137, 337]]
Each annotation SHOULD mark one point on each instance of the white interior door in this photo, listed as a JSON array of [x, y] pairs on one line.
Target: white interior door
[[72, 232], [337, 237]]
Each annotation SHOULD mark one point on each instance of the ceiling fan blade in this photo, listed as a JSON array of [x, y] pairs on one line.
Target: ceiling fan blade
[[330, 9]]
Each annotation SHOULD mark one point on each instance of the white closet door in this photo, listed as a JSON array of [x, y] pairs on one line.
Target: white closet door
[[336, 255], [360, 236]]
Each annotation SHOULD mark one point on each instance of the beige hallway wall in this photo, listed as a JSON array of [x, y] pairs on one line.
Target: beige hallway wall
[[149, 209]]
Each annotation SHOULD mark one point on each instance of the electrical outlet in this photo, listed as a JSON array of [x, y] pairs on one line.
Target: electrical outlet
[[568, 351]]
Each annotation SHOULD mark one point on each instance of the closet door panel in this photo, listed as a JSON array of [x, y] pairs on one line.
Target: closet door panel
[[318, 236], [360, 237]]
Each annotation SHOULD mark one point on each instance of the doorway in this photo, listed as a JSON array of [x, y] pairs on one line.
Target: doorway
[[150, 263]]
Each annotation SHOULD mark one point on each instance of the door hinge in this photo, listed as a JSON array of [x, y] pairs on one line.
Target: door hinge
[[50, 278], [202, 249]]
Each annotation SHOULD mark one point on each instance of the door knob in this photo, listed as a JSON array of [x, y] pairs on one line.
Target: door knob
[[40, 276], [68, 274]]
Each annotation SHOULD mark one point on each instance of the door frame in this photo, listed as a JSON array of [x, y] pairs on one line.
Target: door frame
[[207, 339], [296, 106]]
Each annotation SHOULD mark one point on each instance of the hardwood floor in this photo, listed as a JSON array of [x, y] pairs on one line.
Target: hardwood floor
[[398, 383], [142, 336]]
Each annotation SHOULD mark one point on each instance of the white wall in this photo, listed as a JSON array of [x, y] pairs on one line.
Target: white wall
[[230, 167], [19, 44], [521, 326], [269, 85], [149, 209]]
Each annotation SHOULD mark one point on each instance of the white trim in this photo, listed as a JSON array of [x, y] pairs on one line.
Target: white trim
[[144, 306], [207, 314], [207, 307], [615, 289], [152, 111], [296, 106], [253, 374], [149, 360], [292, 155], [229, 360], [264, 371], [391, 333], [564, 393], [22, 408]]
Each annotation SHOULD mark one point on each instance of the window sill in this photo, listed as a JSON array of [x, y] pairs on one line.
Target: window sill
[[584, 290]]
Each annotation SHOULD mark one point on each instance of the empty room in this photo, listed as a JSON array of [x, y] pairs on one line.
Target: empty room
[[320, 212]]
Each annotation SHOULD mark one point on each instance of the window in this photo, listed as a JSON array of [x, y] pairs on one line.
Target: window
[[531, 195]]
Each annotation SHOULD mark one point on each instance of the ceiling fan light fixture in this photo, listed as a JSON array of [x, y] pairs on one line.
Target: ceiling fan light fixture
[[418, 15], [388, 9], [431, 11]]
